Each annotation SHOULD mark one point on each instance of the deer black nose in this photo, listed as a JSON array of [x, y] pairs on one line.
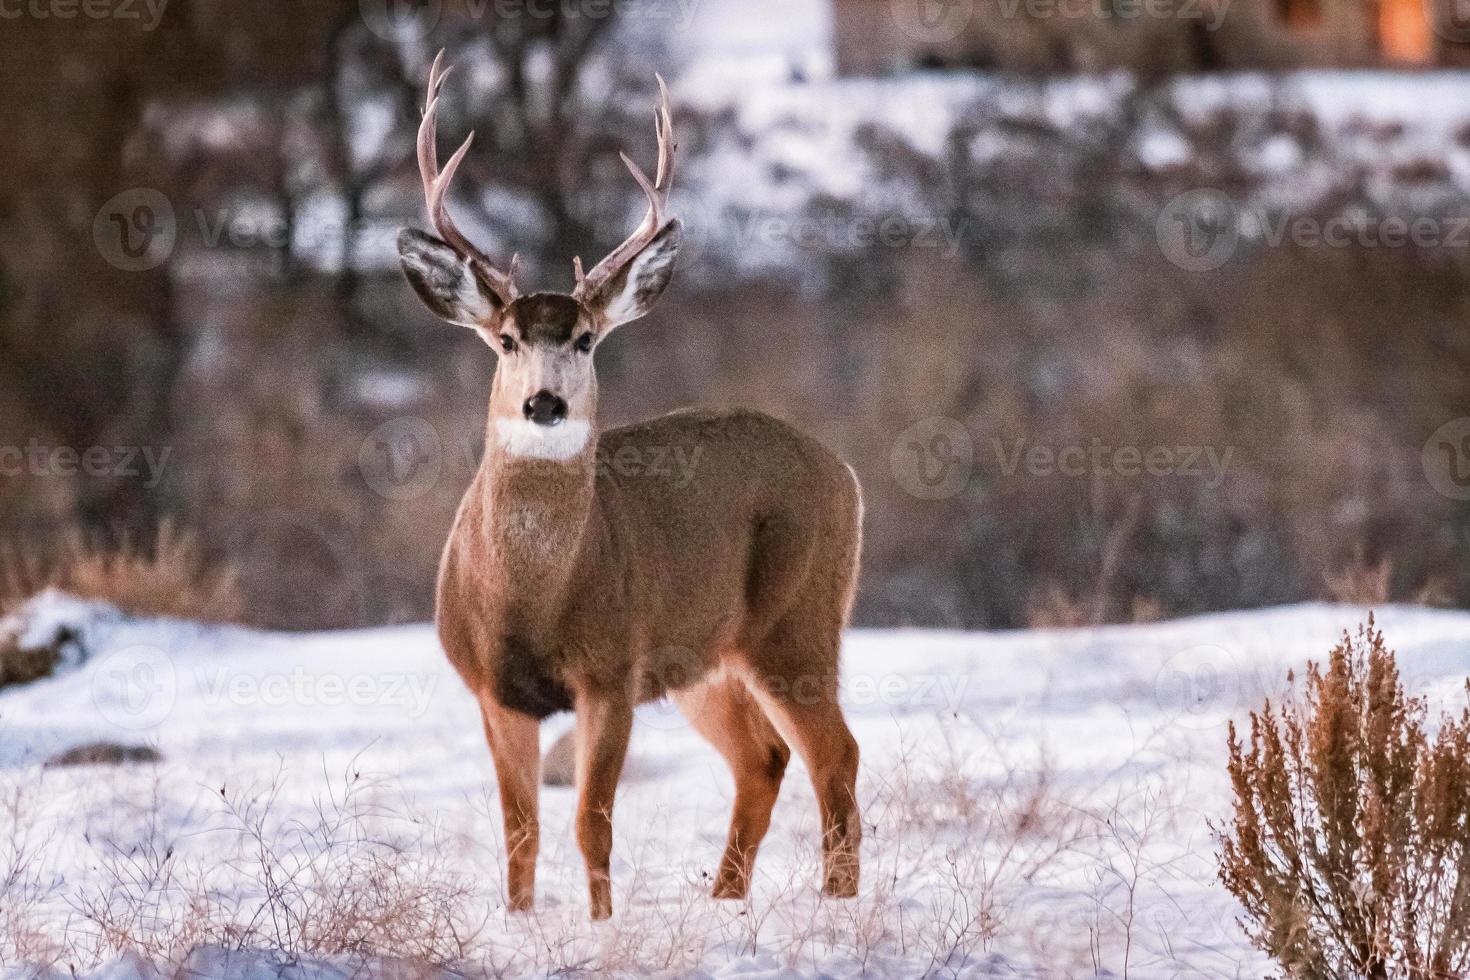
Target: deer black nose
[[544, 408]]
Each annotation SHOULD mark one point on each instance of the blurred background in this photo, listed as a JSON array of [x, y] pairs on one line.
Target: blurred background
[[1121, 309]]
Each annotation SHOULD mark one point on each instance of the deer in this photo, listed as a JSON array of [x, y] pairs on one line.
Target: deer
[[573, 581]]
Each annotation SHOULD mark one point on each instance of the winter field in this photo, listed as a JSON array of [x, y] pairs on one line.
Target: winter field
[[1034, 804]]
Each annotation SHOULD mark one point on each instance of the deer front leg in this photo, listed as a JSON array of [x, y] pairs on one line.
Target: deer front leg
[[515, 747], [603, 726]]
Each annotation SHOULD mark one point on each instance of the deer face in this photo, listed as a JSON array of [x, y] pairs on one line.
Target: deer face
[[545, 374], [544, 399]]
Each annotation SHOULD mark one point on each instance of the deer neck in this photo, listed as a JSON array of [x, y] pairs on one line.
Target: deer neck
[[536, 494]]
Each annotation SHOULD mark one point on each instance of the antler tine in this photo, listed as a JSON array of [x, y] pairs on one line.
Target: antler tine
[[657, 192], [656, 197], [665, 123], [436, 188]]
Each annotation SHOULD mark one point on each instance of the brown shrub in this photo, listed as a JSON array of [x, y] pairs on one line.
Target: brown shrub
[[167, 576], [1350, 842]]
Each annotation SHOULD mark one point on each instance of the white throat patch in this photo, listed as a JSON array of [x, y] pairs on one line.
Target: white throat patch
[[522, 437]]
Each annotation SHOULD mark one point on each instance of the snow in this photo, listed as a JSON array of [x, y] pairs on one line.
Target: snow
[[1159, 150], [1434, 99], [729, 45], [48, 618], [1281, 154], [786, 149], [1129, 720]]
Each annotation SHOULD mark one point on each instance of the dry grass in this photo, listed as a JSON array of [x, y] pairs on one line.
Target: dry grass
[[26, 885], [954, 840], [168, 575], [1361, 582], [355, 878], [1057, 608]]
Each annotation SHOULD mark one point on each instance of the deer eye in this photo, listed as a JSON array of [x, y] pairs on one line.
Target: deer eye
[[507, 343], [584, 343]]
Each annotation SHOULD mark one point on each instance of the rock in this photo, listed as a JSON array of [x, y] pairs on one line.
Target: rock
[[21, 664], [104, 754], [559, 766], [18, 666], [44, 636]]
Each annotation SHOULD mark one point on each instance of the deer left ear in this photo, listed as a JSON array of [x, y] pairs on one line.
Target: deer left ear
[[636, 288]]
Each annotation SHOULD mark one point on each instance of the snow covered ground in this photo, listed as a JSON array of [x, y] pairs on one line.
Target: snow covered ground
[[1035, 804]]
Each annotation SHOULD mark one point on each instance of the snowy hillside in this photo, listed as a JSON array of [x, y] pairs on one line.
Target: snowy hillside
[[1034, 804]]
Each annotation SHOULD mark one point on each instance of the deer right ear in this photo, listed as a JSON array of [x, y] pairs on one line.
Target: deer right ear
[[634, 288], [447, 281]]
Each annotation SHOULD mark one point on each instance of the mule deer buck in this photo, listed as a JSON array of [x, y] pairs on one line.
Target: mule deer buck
[[566, 584]]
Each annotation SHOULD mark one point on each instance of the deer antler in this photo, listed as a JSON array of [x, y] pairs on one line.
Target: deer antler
[[657, 192], [436, 188]]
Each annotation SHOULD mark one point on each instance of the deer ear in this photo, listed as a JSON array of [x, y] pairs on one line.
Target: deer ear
[[642, 280], [446, 281]]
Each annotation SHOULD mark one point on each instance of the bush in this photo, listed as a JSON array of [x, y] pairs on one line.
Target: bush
[[168, 576], [1350, 842]]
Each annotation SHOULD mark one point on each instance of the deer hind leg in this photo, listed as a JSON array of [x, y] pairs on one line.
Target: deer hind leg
[[726, 714], [604, 724], [795, 678], [515, 747]]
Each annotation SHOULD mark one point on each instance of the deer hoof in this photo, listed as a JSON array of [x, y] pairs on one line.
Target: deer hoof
[[844, 886], [732, 887]]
